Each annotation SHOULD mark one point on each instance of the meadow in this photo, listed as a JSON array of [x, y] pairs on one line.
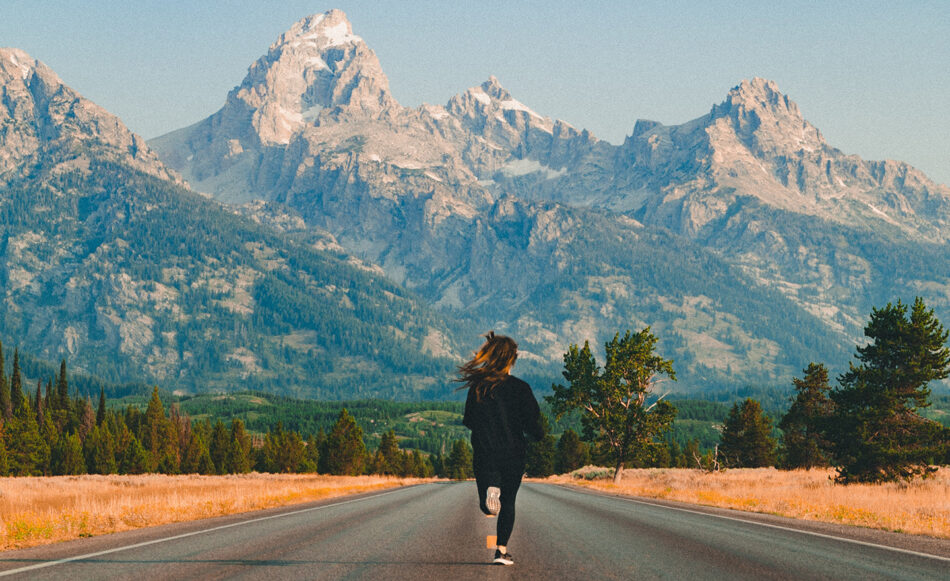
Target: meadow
[[921, 507], [41, 510]]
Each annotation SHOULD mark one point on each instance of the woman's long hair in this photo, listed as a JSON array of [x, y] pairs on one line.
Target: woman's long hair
[[490, 365]]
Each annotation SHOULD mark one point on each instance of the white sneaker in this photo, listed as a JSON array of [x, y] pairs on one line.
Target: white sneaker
[[493, 502]]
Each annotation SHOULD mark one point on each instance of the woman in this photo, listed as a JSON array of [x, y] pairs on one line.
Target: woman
[[499, 410]]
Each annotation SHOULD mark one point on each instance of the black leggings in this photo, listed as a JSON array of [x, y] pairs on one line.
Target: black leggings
[[505, 474]]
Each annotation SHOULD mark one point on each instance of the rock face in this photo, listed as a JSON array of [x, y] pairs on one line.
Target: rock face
[[105, 259], [748, 243], [38, 113], [757, 144], [509, 219]]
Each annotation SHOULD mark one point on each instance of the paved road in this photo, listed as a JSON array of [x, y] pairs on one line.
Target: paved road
[[435, 531]]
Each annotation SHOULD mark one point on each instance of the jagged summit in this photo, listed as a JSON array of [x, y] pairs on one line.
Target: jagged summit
[[317, 65], [766, 120], [319, 31], [38, 111]]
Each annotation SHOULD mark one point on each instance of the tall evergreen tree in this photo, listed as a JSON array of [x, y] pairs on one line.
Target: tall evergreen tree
[[28, 454], [153, 429], [16, 383], [62, 388], [803, 443], [876, 431], [218, 447], [6, 405], [67, 456], [99, 451], [390, 456], [239, 450], [4, 462], [747, 440], [101, 410], [345, 450], [458, 464]]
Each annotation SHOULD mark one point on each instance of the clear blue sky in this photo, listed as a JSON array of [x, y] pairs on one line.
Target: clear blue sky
[[873, 76]]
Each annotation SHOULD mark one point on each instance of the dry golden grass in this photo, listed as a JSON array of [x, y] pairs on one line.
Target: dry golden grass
[[921, 507], [35, 511]]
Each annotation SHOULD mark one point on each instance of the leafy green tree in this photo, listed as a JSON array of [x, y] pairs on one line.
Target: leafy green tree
[[803, 443], [572, 452], [613, 404], [345, 452], [876, 432], [747, 440], [458, 464]]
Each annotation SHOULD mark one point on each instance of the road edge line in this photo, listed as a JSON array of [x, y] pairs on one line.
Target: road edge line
[[755, 522]]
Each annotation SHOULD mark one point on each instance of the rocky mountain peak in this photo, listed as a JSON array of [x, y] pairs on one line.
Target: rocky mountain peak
[[38, 111], [765, 120], [317, 65]]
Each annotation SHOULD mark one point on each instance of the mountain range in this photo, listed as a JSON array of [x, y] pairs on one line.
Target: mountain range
[[316, 237]]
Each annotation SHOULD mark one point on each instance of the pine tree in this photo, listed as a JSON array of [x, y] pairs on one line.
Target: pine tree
[[239, 450], [6, 406], [62, 388], [572, 453], [67, 456], [876, 432], [803, 445], [153, 429], [458, 464], [747, 440], [135, 459], [345, 450], [197, 458], [16, 383], [4, 462], [390, 456], [218, 447], [27, 453], [99, 451], [101, 410]]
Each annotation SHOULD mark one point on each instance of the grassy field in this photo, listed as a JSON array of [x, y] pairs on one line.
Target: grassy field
[[922, 507], [41, 510], [36, 511]]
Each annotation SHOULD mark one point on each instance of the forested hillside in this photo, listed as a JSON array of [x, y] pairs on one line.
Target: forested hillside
[[137, 278]]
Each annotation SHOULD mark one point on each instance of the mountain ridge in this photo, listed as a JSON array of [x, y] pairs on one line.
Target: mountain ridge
[[494, 216]]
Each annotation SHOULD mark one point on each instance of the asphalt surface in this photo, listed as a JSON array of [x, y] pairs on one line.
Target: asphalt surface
[[435, 531]]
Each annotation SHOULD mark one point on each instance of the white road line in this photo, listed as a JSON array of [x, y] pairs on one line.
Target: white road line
[[191, 534], [773, 526]]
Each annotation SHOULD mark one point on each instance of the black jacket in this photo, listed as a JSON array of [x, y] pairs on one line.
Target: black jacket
[[501, 419]]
